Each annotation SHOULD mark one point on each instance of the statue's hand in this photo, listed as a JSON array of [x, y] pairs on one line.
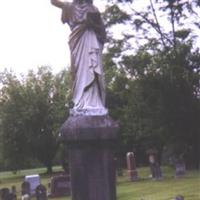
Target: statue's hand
[[57, 3]]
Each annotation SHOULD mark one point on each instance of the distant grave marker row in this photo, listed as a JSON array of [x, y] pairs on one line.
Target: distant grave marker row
[[156, 173]]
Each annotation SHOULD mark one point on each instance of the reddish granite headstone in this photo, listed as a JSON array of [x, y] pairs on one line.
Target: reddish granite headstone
[[60, 186], [4, 194], [131, 166]]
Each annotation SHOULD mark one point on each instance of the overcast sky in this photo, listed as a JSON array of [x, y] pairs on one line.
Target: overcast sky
[[32, 35]]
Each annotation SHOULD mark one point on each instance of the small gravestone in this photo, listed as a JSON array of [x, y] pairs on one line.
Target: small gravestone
[[41, 192], [156, 173], [60, 186], [131, 166], [34, 181], [25, 188], [5, 193], [13, 195], [180, 168]]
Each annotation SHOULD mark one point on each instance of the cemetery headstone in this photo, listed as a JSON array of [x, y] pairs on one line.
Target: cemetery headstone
[[5, 193], [131, 165], [156, 173], [25, 188], [12, 194], [180, 168], [41, 192], [34, 181], [60, 186]]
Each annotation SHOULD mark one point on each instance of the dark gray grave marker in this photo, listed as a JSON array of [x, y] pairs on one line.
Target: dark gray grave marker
[[131, 165], [154, 165], [41, 192], [5, 193], [180, 168], [25, 188]]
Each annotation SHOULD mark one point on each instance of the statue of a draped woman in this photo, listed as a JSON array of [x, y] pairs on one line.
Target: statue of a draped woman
[[86, 44]]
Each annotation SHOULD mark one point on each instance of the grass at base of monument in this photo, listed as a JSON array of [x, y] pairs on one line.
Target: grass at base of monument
[[143, 189]]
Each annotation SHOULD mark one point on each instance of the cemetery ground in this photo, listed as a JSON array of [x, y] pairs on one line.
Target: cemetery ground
[[144, 189]]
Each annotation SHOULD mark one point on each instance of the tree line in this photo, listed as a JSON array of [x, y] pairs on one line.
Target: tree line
[[152, 78]]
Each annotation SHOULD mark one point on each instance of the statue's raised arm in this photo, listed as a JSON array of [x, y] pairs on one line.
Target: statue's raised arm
[[57, 3]]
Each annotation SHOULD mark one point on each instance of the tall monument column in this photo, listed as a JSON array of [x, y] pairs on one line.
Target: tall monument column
[[92, 167], [89, 131]]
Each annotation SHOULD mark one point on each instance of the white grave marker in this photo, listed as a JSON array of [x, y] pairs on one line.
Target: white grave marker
[[34, 181]]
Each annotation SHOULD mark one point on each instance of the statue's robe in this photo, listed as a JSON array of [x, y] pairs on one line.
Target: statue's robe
[[86, 44]]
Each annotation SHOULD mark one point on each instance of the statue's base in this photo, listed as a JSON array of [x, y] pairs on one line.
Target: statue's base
[[92, 166], [89, 112]]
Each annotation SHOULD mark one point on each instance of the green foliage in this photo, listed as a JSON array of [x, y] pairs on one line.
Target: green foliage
[[156, 99], [32, 110], [167, 21], [114, 15], [154, 91]]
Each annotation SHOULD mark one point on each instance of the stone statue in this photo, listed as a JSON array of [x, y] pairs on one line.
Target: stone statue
[[86, 44]]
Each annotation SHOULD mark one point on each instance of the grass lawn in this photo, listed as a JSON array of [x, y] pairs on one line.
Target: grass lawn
[[144, 189]]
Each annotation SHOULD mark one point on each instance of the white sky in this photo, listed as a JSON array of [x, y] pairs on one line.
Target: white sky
[[32, 35]]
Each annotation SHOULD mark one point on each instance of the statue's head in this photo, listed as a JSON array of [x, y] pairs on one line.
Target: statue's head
[[83, 1]]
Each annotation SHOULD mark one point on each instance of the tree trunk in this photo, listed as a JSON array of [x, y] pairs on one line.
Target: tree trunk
[[49, 169]]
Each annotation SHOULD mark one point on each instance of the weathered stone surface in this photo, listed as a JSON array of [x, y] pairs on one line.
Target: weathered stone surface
[[84, 128], [92, 164], [93, 173]]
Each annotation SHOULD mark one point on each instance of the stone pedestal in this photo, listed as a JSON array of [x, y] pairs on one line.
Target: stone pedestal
[[92, 167]]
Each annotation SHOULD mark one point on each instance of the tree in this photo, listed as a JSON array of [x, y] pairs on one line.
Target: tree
[[156, 83], [32, 110], [157, 103]]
